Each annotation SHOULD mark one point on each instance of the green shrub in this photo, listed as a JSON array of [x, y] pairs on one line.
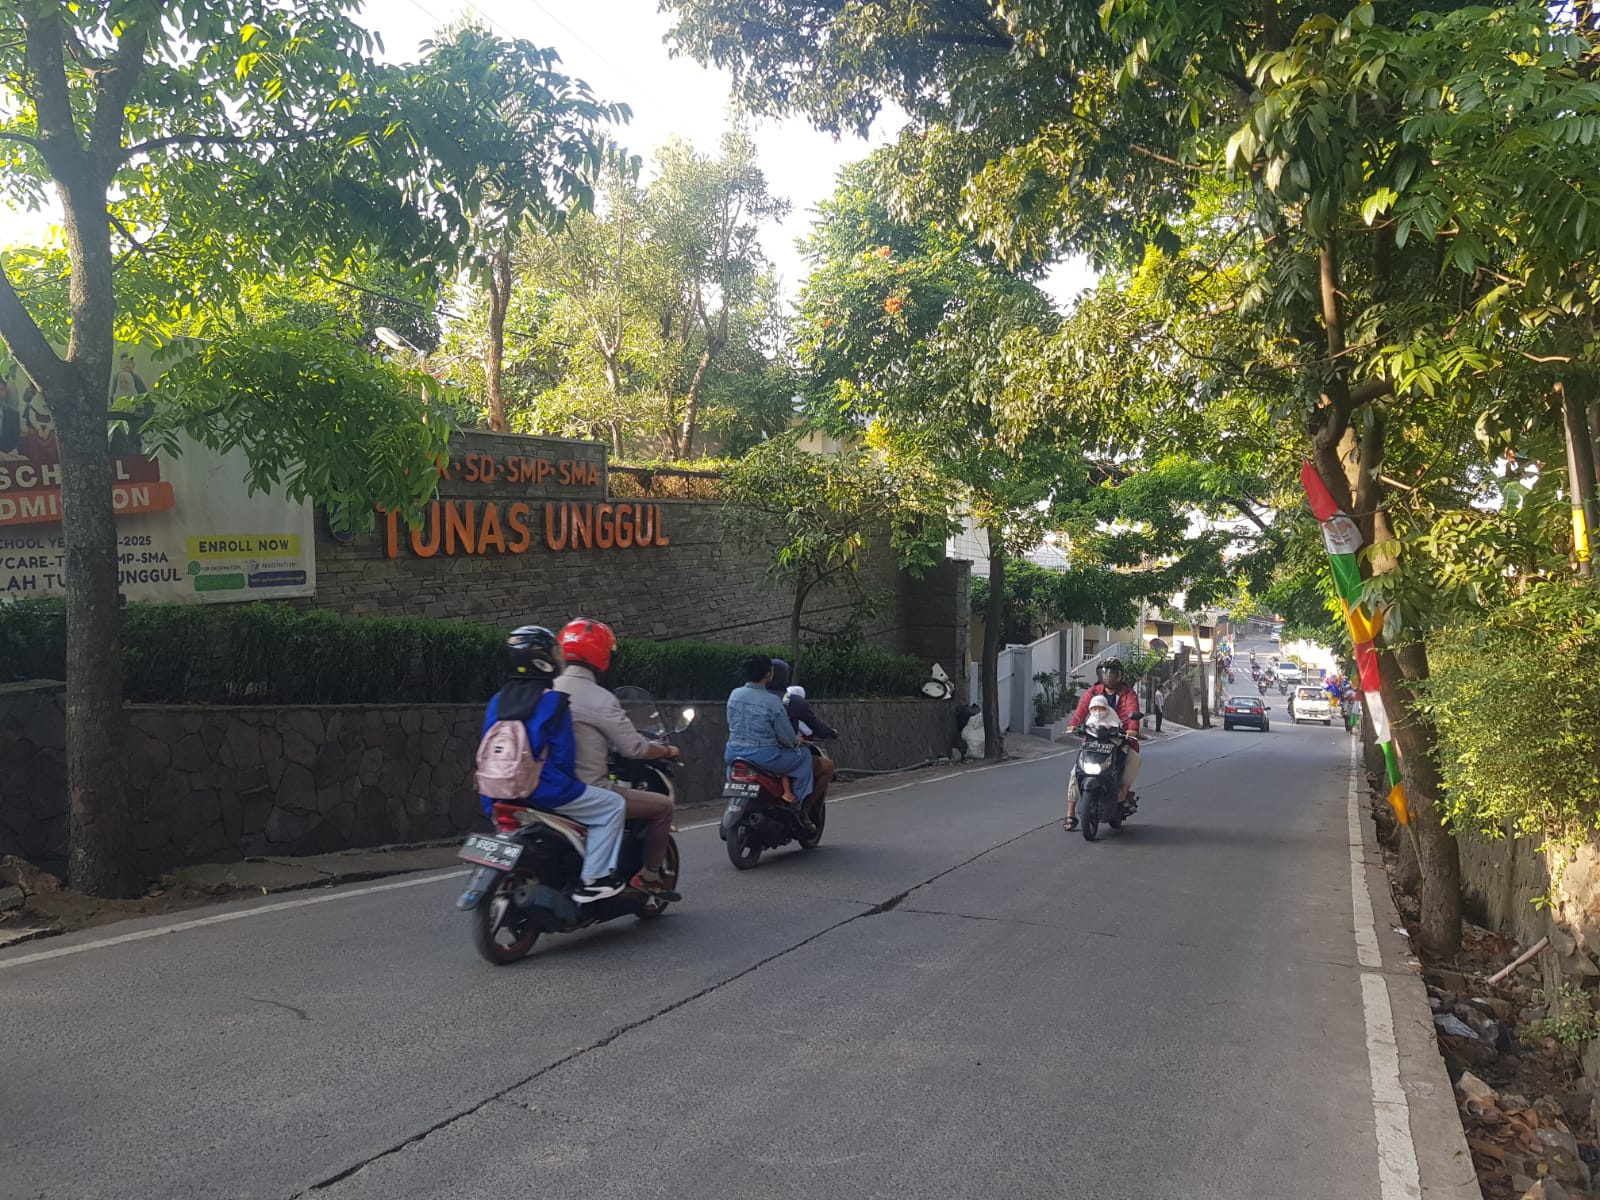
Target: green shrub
[[1515, 696], [279, 654]]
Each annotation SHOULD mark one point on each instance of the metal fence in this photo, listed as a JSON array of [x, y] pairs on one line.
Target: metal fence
[[662, 483]]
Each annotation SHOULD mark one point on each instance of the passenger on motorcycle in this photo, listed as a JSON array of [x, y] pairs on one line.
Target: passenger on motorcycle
[[1125, 702], [805, 721], [601, 726], [760, 732], [529, 697]]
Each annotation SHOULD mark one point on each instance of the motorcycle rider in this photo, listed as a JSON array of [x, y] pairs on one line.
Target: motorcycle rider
[[601, 726], [529, 697], [760, 732], [1124, 701], [806, 722]]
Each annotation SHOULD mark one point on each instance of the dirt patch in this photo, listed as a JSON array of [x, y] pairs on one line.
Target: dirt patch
[[1527, 1110]]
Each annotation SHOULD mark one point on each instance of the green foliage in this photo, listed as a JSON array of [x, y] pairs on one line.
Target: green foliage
[[1572, 1020], [279, 654], [1037, 597], [1516, 701]]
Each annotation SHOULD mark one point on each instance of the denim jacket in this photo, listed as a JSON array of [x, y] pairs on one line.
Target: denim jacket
[[756, 719]]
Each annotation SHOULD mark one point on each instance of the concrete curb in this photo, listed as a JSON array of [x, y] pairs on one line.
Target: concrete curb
[[1444, 1164]]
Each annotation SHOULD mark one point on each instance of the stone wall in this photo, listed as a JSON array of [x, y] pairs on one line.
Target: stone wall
[[217, 784]]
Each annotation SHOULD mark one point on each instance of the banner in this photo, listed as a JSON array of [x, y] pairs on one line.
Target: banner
[[187, 528], [1343, 540]]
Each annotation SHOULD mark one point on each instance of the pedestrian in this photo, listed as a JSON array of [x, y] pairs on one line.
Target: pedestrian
[[1159, 703]]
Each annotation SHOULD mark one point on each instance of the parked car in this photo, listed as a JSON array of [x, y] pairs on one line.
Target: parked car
[[1245, 710], [1310, 703]]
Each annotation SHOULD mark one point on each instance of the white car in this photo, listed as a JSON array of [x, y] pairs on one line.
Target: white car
[[1311, 704], [1287, 672]]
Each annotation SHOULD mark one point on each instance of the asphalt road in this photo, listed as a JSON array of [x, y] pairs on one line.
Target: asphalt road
[[950, 998]]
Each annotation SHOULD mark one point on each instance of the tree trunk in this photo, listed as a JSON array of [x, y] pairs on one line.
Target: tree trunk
[[1440, 859], [494, 341], [802, 589], [101, 831], [993, 636]]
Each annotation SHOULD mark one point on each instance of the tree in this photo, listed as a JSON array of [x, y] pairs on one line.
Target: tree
[[816, 516], [663, 307], [907, 337], [193, 150], [519, 143]]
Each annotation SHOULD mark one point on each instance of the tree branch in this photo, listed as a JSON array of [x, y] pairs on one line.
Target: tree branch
[[28, 343], [23, 138], [120, 78]]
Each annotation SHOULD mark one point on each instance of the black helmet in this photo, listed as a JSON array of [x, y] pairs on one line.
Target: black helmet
[[780, 675], [1112, 664], [531, 652]]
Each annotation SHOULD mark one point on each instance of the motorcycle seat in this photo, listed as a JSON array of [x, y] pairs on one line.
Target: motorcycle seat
[[756, 767], [575, 833]]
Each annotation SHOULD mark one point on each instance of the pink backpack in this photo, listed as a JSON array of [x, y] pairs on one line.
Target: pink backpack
[[508, 769]]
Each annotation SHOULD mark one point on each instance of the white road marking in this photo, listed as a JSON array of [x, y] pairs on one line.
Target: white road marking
[[222, 918], [1398, 1177], [416, 881]]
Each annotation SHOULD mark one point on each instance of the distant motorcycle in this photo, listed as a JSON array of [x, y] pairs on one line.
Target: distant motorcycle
[[530, 866]]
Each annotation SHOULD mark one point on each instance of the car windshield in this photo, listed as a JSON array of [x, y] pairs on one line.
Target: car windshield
[[1309, 693], [1288, 666], [1245, 702]]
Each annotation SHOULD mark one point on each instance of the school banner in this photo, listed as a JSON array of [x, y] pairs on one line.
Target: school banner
[[188, 531]]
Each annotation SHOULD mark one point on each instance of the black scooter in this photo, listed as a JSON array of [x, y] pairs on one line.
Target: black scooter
[[1097, 775], [757, 818], [530, 866]]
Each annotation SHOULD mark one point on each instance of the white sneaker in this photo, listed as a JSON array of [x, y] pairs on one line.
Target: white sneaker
[[599, 889]]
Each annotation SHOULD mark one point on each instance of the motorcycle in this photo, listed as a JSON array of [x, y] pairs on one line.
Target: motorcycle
[[758, 819], [530, 866], [1097, 775], [1261, 686]]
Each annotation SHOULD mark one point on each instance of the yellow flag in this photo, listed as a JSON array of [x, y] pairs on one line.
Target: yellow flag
[[1397, 801]]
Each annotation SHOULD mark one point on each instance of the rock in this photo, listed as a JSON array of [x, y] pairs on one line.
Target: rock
[[1493, 1006], [1473, 1088], [27, 876], [1461, 1054], [11, 898], [1453, 1026], [1561, 1156], [1575, 1107], [1449, 981], [1545, 1189], [1435, 1003]]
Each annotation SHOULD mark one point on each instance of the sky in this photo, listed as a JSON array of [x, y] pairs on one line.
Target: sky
[[617, 47]]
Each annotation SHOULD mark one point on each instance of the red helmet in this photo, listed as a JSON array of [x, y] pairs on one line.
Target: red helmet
[[590, 643]]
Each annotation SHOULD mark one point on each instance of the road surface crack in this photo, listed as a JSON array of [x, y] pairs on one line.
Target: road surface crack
[[606, 1039], [290, 1008]]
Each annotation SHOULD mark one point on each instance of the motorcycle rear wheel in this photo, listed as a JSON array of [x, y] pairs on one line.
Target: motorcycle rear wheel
[[496, 915], [812, 841], [743, 850]]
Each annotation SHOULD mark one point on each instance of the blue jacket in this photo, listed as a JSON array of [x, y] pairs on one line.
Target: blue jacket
[[756, 719], [549, 722]]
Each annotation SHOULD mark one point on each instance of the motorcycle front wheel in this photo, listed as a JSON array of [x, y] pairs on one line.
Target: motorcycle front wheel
[[1089, 815], [501, 932], [744, 851]]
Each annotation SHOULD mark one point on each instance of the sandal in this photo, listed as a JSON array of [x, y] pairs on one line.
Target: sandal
[[1070, 825]]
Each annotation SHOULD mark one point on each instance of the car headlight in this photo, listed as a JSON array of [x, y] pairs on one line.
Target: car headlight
[[1091, 766]]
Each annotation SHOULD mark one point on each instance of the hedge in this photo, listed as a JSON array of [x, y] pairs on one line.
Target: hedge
[[279, 654]]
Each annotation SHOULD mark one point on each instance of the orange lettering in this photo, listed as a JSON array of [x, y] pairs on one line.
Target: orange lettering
[[391, 535], [458, 523], [544, 469], [625, 525], [517, 518], [431, 547], [582, 522], [605, 531], [646, 528], [550, 538], [490, 532], [661, 528]]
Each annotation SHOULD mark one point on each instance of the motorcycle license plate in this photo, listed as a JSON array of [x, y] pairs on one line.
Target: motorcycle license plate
[[740, 789], [489, 851], [1099, 748]]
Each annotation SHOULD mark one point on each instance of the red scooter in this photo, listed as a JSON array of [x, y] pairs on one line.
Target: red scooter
[[757, 817]]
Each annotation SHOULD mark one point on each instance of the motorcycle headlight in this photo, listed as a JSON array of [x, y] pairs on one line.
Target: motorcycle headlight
[[1091, 766]]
